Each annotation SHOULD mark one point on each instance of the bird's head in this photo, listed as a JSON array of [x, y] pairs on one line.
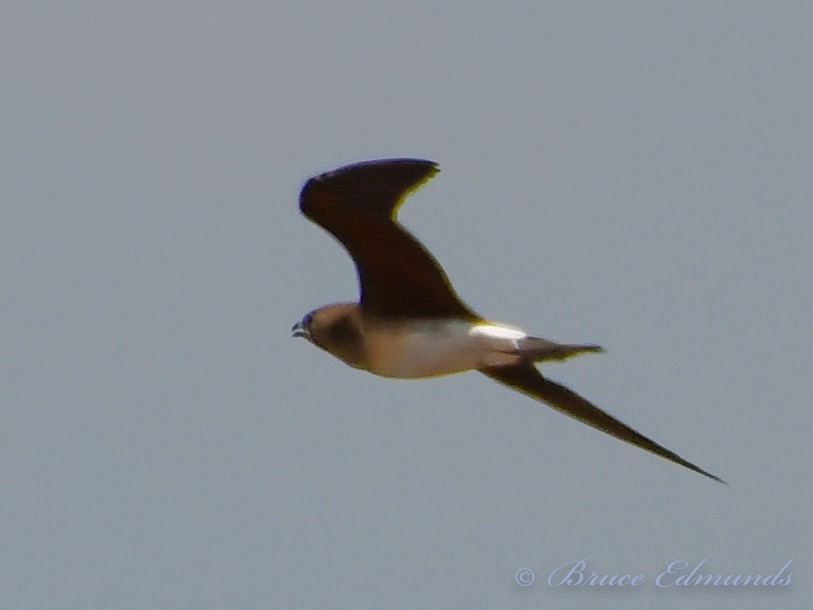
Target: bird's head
[[303, 327], [334, 328]]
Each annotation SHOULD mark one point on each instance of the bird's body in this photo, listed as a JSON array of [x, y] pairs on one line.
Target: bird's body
[[409, 322], [414, 349], [419, 348]]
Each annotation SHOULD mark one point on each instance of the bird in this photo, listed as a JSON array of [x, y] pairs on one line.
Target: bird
[[409, 322]]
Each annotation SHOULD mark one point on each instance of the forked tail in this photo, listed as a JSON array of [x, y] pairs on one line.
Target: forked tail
[[537, 349]]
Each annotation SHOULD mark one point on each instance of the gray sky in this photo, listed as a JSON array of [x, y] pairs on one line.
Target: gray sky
[[632, 174]]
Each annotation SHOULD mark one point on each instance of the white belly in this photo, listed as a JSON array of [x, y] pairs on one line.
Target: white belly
[[432, 348]]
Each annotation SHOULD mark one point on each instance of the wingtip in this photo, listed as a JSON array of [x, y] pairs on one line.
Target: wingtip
[[718, 479], [381, 184], [378, 163], [699, 470]]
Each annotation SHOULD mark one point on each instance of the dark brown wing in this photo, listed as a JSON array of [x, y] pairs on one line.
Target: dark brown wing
[[528, 380], [358, 204]]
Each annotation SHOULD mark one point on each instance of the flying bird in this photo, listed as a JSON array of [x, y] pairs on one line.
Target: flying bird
[[409, 321]]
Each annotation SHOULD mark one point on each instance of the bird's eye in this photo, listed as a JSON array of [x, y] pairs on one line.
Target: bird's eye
[[306, 321]]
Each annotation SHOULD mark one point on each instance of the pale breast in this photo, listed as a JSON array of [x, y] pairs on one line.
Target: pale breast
[[429, 348]]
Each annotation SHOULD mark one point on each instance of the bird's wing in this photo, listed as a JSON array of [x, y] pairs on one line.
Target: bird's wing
[[527, 379], [358, 204]]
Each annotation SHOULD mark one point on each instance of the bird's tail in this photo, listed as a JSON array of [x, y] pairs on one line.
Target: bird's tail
[[537, 349]]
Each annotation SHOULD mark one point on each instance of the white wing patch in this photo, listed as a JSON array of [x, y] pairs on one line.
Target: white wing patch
[[495, 331]]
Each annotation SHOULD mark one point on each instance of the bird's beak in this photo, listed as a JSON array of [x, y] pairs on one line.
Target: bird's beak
[[300, 331]]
